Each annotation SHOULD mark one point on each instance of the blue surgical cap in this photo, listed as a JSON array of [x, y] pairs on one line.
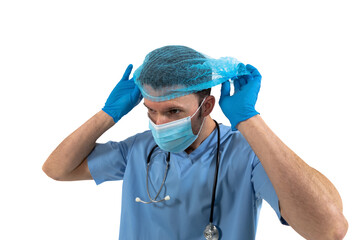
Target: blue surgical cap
[[174, 71]]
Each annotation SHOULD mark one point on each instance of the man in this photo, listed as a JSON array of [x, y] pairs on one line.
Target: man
[[167, 190]]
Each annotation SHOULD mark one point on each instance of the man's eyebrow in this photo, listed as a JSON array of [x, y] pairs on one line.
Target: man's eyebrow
[[170, 107], [146, 106]]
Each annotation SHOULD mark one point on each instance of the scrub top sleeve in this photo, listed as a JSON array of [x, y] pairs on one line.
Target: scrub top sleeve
[[264, 189], [107, 162]]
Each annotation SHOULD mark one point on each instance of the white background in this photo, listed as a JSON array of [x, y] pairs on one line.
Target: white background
[[59, 60]]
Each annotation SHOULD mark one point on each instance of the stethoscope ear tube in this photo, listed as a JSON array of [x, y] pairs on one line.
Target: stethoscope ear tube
[[153, 200]]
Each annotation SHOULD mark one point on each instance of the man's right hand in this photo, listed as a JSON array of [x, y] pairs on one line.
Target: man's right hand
[[68, 162], [125, 96]]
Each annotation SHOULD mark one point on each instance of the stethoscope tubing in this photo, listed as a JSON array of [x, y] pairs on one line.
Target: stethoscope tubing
[[211, 231], [153, 200], [168, 165], [216, 173]]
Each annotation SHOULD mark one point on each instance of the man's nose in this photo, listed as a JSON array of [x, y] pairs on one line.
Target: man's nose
[[161, 119]]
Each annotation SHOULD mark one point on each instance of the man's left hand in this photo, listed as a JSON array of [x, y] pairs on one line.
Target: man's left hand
[[241, 105]]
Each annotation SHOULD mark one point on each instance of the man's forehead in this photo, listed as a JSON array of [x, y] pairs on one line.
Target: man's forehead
[[180, 102], [160, 91]]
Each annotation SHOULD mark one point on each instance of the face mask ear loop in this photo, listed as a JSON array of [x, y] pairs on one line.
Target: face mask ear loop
[[203, 119], [198, 107], [201, 127]]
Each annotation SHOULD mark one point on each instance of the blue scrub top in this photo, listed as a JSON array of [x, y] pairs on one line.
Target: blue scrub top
[[242, 185]]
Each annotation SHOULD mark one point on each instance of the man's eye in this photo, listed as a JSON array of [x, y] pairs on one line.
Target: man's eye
[[151, 112], [174, 111]]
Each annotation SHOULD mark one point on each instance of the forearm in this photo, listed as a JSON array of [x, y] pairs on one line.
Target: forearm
[[309, 202], [72, 151]]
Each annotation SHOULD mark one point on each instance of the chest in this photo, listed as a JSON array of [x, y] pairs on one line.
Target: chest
[[188, 182]]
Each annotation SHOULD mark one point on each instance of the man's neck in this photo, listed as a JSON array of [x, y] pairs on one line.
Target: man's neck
[[207, 129]]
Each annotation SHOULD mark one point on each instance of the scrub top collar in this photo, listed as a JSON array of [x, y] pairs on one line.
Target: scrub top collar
[[209, 143]]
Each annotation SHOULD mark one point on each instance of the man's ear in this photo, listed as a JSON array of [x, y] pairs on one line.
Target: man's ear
[[209, 105]]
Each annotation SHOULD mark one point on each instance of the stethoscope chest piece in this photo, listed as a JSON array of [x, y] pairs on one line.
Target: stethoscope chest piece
[[211, 232]]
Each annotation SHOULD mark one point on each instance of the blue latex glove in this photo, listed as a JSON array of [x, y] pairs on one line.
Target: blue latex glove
[[241, 105], [125, 96]]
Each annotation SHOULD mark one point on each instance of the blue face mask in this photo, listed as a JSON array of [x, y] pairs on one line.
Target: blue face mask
[[175, 136]]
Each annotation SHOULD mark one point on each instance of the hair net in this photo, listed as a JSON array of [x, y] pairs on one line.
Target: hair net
[[174, 71]]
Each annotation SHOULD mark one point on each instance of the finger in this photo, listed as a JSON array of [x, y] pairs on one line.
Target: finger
[[127, 72], [243, 80], [254, 72], [123, 84], [225, 89], [240, 82], [241, 69], [250, 68], [136, 95], [237, 84]]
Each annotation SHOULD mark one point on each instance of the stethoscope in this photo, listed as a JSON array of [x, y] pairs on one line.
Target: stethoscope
[[210, 232]]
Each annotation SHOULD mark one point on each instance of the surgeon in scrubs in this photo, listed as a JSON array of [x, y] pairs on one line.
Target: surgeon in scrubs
[[169, 172]]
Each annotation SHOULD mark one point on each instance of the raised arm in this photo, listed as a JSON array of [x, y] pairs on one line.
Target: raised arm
[[309, 202], [68, 161]]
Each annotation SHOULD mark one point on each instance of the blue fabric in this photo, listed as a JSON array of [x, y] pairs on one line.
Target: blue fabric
[[242, 185]]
